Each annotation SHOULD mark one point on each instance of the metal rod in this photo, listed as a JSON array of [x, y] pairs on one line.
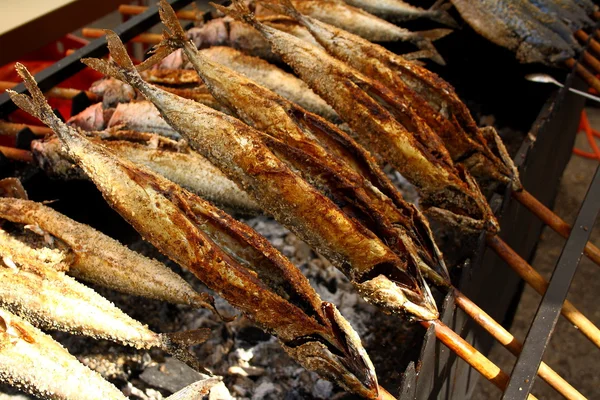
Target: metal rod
[[584, 73], [539, 335], [536, 281], [10, 128], [68, 66], [470, 354], [584, 37]]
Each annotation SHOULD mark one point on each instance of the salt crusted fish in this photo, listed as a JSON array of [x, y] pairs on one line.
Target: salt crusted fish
[[92, 256], [397, 11], [323, 154], [174, 160], [141, 116], [504, 23], [432, 99], [447, 191], [567, 11], [51, 300], [228, 256], [35, 363]]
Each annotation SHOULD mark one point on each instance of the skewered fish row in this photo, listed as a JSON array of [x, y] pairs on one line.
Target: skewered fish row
[[536, 31], [238, 263]]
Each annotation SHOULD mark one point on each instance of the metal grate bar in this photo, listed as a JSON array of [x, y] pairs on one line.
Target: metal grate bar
[[525, 370], [68, 66]]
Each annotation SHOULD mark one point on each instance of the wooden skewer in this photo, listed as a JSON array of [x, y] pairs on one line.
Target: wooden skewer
[[10, 128], [536, 281], [592, 61], [56, 92], [584, 73], [514, 346], [192, 15], [470, 354], [147, 38], [554, 221], [584, 37], [384, 394], [17, 154]]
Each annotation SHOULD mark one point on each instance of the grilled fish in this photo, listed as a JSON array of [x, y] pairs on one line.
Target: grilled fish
[[398, 11], [295, 140], [35, 363], [228, 256], [447, 191], [172, 159], [444, 112], [91, 256], [506, 24], [264, 73], [369, 26], [567, 11]]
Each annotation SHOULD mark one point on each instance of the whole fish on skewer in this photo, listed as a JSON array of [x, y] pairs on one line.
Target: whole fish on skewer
[[35, 363], [51, 300], [323, 154], [448, 191], [238, 150], [91, 256], [480, 150], [567, 11], [398, 11], [228, 256], [174, 160], [505, 23], [369, 26]]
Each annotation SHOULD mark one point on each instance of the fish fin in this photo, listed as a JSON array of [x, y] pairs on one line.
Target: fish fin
[[238, 10], [35, 104], [424, 42], [177, 344], [173, 38], [284, 7], [439, 13], [121, 66]]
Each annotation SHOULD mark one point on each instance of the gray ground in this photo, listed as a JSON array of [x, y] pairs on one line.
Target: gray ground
[[570, 354]]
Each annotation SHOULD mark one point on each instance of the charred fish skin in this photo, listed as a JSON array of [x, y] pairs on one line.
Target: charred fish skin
[[33, 362], [501, 22], [294, 139], [175, 221], [337, 84]]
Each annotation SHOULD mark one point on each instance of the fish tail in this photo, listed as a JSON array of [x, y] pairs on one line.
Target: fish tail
[[35, 104], [424, 42], [177, 344], [439, 13], [283, 6], [120, 67], [238, 10]]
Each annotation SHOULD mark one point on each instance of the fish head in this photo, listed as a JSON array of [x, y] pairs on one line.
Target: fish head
[[339, 357]]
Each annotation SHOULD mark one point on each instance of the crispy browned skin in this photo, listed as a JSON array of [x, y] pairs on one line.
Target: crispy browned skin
[[238, 150], [227, 255], [259, 70], [315, 148], [174, 160], [449, 192], [464, 141]]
